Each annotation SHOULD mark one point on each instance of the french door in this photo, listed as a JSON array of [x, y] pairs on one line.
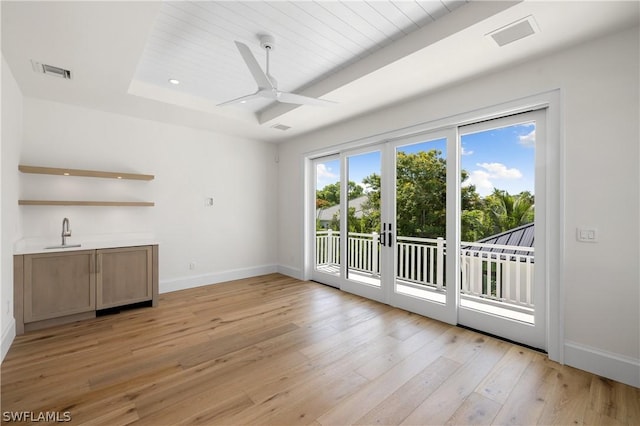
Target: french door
[[377, 246], [415, 222]]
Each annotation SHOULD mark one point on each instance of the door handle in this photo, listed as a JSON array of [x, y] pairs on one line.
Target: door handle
[[383, 235], [390, 239]]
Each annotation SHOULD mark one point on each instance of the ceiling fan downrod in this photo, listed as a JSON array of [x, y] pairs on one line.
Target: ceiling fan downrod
[[267, 42]]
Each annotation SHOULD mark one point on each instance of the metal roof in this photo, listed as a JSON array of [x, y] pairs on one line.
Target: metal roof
[[522, 236]]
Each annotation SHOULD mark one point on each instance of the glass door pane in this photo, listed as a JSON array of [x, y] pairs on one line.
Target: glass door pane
[[421, 220], [327, 218], [500, 289], [362, 256], [422, 192]]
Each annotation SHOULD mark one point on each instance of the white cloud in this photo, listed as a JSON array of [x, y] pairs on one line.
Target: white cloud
[[529, 139], [500, 171], [463, 151], [483, 178], [324, 172]]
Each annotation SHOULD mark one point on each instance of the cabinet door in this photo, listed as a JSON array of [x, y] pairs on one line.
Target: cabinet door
[[124, 276], [58, 284]]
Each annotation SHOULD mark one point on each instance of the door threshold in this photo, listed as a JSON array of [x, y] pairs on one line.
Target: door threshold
[[504, 339]]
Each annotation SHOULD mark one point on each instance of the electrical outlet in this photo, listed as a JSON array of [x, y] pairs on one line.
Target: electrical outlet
[[192, 265], [208, 202]]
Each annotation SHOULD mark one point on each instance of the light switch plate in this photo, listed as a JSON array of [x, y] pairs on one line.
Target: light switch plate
[[587, 235]]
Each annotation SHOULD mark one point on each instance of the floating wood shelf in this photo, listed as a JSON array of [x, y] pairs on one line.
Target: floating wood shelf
[[86, 203], [83, 173]]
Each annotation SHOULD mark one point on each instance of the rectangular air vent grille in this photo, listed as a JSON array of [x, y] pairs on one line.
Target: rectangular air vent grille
[[514, 31], [280, 127], [51, 70]]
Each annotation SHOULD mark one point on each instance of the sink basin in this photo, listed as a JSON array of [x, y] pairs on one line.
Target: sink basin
[[63, 246]]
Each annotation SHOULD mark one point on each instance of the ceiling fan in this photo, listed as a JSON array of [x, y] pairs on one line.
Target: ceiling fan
[[267, 85]]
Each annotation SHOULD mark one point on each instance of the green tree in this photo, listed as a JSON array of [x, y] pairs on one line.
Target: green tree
[[371, 207], [421, 194], [330, 194], [509, 211]]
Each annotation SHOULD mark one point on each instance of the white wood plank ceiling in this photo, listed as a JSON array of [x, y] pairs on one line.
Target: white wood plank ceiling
[[193, 41]]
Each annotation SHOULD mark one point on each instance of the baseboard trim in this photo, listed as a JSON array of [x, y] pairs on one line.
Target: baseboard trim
[[606, 364], [290, 272], [8, 334], [166, 286]]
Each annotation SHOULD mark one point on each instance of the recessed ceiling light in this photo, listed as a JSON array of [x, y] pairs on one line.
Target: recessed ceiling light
[[174, 81]]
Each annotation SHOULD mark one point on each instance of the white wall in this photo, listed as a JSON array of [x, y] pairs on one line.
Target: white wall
[[10, 219], [599, 86], [234, 238]]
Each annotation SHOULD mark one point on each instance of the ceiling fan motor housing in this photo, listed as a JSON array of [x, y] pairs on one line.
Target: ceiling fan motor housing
[[267, 42]]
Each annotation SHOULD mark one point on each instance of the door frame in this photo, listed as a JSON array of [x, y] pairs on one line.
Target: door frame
[[555, 209]]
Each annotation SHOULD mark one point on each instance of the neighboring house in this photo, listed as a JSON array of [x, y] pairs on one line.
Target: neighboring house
[[325, 216]]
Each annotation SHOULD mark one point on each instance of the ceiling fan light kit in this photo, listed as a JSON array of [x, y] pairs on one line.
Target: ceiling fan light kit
[[267, 84]]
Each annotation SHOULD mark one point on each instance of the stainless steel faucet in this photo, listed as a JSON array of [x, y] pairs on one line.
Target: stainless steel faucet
[[66, 232]]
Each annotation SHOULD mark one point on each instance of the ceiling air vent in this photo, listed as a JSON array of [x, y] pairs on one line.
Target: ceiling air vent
[[514, 31], [51, 70], [280, 127]]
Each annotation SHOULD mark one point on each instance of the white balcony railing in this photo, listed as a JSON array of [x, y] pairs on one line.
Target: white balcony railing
[[491, 272]]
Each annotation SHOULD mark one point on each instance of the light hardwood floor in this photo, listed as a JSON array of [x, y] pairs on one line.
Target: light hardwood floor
[[275, 350]]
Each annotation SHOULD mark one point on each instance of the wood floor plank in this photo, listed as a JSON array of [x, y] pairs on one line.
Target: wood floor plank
[[355, 407], [276, 350], [526, 401], [397, 406], [475, 410], [505, 374], [441, 405], [568, 399]]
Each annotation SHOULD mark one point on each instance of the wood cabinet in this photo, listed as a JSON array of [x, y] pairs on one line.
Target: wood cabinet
[[123, 276], [61, 287], [58, 284]]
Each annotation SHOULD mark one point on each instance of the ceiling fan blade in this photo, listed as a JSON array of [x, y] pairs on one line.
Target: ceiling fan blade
[[292, 98], [242, 99], [258, 75]]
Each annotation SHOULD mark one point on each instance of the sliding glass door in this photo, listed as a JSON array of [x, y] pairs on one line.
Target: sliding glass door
[[449, 224], [502, 258]]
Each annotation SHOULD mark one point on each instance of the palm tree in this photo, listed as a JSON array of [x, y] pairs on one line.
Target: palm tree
[[510, 211]]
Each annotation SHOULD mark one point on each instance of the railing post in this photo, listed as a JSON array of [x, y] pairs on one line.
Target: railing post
[[374, 253], [439, 263], [330, 246]]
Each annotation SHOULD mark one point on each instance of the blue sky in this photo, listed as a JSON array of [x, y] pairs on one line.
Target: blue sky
[[503, 158]]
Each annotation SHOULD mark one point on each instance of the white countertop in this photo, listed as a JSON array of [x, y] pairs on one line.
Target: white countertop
[[87, 242]]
